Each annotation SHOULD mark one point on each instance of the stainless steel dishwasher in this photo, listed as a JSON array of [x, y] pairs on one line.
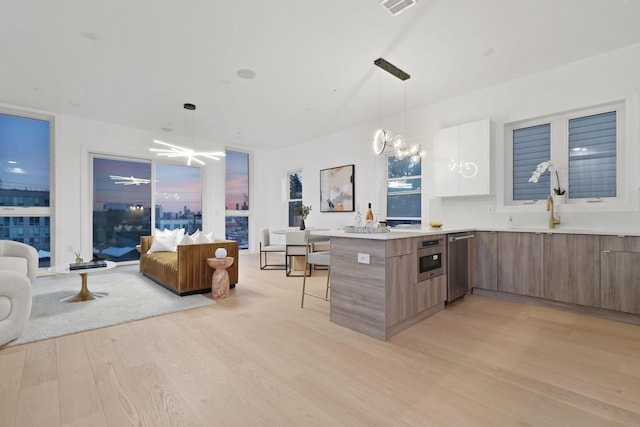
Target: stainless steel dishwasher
[[458, 246]]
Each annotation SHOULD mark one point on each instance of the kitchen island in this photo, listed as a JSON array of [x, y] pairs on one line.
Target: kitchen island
[[374, 281]]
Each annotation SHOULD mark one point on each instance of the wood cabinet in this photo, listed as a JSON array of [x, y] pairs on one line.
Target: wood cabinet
[[383, 297], [620, 274], [401, 277], [572, 268], [462, 165], [520, 267], [485, 261]]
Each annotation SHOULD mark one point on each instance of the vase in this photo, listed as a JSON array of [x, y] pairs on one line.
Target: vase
[[559, 199], [302, 226]]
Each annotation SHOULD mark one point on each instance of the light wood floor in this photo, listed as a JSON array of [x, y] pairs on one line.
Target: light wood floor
[[257, 359]]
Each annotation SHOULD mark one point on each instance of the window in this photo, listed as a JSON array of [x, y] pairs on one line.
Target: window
[[582, 146], [237, 198], [121, 207], [592, 156], [404, 191], [531, 146], [122, 203], [295, 197], [25, 181], [178, 202]]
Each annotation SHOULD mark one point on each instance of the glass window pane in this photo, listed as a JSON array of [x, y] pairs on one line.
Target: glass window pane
[[34, 231], [294, 220], [401, 168], [237, 181], [405, 205], [295, 185], [531, 146], [24, 153], [404, 185], [592, 156], [178, 201], [237, 228], [121, 207]]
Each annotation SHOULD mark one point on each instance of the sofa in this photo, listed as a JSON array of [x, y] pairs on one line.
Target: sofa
[[185, 271], [18, 269]]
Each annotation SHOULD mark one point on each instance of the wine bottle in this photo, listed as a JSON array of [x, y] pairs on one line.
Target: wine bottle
[[369, 216]]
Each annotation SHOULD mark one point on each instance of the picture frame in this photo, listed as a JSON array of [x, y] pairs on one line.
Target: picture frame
[[337, 189]]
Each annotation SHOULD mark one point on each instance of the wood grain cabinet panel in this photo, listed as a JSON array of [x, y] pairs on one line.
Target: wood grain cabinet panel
[[401, 279], [485, 260], [520, 268], [620, 274], [572, 268]]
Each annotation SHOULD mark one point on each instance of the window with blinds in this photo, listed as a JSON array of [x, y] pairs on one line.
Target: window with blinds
[[592, 156], [531, 146]]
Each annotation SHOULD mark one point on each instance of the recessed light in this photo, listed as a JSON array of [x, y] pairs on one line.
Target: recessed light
[[246, 73], [488, 52], [91, 36]]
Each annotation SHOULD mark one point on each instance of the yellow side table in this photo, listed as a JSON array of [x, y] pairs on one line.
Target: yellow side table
[[220, 279]]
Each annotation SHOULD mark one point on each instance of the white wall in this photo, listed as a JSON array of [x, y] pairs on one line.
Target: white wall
[[600, 79], [597, 80], [75, 140]]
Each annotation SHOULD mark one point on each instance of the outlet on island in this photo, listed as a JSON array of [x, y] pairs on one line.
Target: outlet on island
[[363, 258]]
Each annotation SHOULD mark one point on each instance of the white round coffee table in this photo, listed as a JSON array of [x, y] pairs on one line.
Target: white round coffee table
[[84, 294]]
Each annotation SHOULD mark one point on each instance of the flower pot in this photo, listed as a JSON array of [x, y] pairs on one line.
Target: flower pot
[[559, 199], [302, 226]]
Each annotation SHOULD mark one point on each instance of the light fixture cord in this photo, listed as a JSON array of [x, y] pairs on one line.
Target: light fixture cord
[[379, 101]]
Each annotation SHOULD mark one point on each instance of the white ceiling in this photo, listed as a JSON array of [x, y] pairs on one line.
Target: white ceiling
[[135, 63]]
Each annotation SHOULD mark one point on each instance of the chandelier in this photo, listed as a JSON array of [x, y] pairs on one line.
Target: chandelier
[[172, 150], [383, 138]]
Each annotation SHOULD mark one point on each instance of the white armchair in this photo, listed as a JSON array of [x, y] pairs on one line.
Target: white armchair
[[18, 269]]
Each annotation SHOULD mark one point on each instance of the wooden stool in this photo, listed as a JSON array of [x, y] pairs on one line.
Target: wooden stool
[[220, 279]]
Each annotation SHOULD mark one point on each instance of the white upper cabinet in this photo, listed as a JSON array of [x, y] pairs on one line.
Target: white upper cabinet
[[462, 160]]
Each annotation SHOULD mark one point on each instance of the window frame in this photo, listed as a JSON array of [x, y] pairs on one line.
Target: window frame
[[559, 149], [240, 212], [38, 211], [294, 220], [404, 219]]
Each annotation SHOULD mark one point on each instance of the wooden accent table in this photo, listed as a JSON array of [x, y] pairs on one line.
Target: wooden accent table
[[220, 279]]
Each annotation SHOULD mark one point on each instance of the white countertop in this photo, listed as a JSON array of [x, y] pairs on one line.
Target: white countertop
[[403, 233]]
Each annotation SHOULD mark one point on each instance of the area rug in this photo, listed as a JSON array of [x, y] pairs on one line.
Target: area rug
[[131, 296]]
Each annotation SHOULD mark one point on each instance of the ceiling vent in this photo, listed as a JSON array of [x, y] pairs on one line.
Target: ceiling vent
[[397, 6]]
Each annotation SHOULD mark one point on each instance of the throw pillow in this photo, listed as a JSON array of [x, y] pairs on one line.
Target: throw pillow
[[186, 240], [162, 243], [201, 238], [210, 237]]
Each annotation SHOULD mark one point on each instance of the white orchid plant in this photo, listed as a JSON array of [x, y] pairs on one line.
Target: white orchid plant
[[542, 168]]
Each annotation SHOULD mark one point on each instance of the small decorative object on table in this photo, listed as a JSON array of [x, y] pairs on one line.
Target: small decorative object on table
[[220, 279], [221, 253], [79, 259], [303, 211]]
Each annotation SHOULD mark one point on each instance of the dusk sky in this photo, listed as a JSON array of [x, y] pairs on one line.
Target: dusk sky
[[24, 162], [25, 142], [237, 179]]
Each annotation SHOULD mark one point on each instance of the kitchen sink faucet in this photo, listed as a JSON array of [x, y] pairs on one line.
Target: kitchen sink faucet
[[552, 220]]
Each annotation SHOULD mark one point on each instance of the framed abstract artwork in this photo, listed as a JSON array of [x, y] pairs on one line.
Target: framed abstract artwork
[[337, 193]]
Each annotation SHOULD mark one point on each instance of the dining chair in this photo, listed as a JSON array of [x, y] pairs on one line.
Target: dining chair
[[266, 247], [295, 244], [318, 258]]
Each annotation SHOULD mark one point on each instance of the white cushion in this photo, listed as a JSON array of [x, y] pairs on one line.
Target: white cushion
[[5, 307], [12, 263], [166, 240], [163, 244], [186, 240], [201, 238], [211, 237]]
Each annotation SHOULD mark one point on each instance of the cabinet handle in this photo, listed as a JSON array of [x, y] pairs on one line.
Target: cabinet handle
[[606, 252]]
